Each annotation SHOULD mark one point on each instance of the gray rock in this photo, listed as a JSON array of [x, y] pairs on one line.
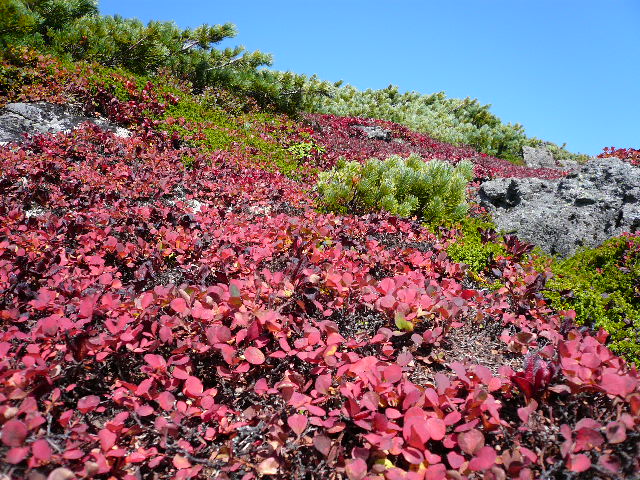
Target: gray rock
[[541, 157], [16, 119], [375, 132], [538, 157], [600, 201]]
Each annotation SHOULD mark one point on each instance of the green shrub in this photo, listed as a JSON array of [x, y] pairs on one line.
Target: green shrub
[[303, 150], [603, 286], [471, 249], [435, 191]]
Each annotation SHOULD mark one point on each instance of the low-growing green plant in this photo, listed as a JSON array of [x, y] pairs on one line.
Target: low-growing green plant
[[303, 150], [472, 247], [188, 162], [603, 286], [435, 191]]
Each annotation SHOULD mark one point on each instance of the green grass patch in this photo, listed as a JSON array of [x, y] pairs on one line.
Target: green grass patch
[[603, 286]]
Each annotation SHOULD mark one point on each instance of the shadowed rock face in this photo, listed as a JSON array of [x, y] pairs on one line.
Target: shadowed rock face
[[600, 201], [16, 119]]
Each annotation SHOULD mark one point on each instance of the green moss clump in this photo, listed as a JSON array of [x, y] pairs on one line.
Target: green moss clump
[[471, 249], [603, 286]]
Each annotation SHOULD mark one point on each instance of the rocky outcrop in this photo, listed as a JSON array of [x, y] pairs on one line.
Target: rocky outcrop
[[600, 201], [375, 132], [541, 157], [16, 119]]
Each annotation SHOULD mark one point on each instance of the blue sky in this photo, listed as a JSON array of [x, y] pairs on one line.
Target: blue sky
[[568, 70]]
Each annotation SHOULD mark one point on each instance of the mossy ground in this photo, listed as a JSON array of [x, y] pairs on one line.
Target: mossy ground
[[603, 286]]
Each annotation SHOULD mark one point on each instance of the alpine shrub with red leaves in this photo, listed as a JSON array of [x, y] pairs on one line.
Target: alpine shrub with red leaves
[[164, 321], [631, 155]]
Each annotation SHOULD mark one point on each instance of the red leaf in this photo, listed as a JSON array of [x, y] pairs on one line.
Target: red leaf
[[587, 439], [155, 361], [61, 473], [41, 450], [484, 459], [413, 455], [218, 334], [455, 460], [616, 384], [261, 386], [16, 454], [322, 443], [107, 439], [437, 428], [193, 387], [144, 410], [470, 442], [13, 433], [297, 423], [254, 356], [452, 418], [179, 305], [616, 432], [166, 400], [525, 412], [610, 462], [578, 463], [393, 373], [323, 383], [74, 454], [181, 462], [269, 466], [88, 403], [356, 469]]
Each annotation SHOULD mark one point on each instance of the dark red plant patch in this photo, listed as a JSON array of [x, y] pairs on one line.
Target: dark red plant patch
[[341, 137]]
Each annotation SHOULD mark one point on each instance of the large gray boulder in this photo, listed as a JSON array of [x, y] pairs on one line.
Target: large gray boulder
[[16, 119], [600, 201]]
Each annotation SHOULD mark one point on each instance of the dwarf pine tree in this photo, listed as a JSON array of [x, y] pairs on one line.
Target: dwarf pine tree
[[74, 29], [435, 190], [29, 22]]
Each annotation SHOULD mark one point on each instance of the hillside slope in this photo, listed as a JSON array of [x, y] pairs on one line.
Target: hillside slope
[[173, 306]]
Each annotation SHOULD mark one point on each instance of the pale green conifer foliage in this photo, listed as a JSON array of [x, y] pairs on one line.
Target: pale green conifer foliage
[[435, 190]]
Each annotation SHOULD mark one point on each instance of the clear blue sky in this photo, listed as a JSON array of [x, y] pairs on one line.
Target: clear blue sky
[[568, 70]]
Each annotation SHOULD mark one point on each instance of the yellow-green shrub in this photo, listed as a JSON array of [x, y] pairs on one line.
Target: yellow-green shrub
[[603, 286]]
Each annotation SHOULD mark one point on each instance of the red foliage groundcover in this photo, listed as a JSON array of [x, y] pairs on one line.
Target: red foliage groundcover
[[631, 155], [159, 322], [341, 137]]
